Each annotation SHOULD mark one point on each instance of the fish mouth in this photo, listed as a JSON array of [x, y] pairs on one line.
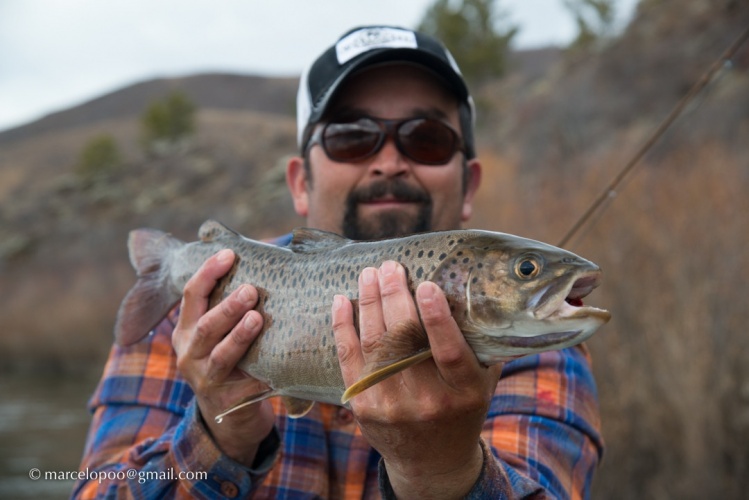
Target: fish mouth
[[564, 301], [554, 317]]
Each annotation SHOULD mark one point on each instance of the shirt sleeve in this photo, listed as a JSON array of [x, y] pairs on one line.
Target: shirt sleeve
[[543, 428], [147, 438]]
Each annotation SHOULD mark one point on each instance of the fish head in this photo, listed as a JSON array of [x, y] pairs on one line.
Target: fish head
[[514, 296]]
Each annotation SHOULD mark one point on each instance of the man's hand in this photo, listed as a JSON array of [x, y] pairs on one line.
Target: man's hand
[[425, 421], [209, 344]]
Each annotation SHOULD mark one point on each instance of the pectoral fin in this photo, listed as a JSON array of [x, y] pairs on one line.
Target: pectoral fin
[[403, 346]]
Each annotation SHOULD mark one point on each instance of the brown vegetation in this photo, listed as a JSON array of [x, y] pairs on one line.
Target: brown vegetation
[[672, 366]]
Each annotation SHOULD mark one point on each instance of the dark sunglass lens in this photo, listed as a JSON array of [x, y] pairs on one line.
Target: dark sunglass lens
[[427, 141], [351, 141]]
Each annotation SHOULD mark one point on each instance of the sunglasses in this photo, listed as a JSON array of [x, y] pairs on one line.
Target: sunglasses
[[424, 140]]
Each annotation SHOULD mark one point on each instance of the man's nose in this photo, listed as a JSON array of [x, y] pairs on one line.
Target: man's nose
[[389, 162]]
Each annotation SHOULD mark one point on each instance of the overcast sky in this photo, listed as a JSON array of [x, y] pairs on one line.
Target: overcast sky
[[58, 53]]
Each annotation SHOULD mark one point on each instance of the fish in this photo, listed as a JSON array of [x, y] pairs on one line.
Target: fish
[[510, 296]]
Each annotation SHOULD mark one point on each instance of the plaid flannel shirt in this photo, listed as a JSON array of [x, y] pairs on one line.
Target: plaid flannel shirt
[[541, 438]]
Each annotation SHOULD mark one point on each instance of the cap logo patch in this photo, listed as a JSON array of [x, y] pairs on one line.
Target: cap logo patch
[[367, 39]]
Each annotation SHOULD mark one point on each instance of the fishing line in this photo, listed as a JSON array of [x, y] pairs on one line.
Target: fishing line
[[611, 190]]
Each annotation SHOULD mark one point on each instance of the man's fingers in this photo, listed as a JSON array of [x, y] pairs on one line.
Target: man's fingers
[[214, 325], [346, 340], [371, 320], [397, 303], [198, 289], [453, 356], [225, 356]]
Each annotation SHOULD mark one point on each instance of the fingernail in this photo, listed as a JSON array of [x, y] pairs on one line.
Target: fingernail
[[425, 293], [250, 322], [225, 256], [244, 294], [368, 276], [337, 302], [388, 267]]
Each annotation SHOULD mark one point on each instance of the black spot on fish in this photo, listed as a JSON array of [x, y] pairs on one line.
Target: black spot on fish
[[460, 253], [475, 280], [451, 242], [430, 254], [420, 272], [421, 253], [461, 240], [466, 260], [452, 276], [480, 265], [442, 256]]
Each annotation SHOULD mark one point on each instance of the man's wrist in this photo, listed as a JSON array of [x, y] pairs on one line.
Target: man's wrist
[[454, 483]]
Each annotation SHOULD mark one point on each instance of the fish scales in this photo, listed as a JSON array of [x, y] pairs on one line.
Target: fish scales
[[510, 296]]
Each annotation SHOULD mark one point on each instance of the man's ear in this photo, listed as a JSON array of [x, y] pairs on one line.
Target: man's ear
[[473, 180], [296, 180]]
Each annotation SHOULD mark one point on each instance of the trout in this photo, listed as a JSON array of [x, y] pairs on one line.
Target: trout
[[510, 296]]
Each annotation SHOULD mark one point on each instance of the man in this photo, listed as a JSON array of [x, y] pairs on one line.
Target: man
[[385, 132]]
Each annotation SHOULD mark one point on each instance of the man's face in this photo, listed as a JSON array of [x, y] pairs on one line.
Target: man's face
[[387, 194]]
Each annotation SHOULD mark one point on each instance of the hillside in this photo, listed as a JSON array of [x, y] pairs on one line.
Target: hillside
[[673, 364]]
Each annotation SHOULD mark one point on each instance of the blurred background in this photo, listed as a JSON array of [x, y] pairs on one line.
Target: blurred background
[[116, 115]]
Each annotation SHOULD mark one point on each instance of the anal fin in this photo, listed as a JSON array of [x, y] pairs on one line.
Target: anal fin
[[296, 407]]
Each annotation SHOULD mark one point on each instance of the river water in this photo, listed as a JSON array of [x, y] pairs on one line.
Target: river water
[[43, 424]]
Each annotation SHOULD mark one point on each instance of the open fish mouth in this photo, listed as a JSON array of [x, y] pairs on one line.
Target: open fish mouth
[[565, 302]]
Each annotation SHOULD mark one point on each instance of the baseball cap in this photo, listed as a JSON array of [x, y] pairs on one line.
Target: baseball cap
[[368, 45]]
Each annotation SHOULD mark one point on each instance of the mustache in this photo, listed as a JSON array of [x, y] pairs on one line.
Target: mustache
[[399, 190]]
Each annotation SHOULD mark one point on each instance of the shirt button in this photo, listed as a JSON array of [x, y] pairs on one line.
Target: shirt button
[[345, 416], [229, 489]]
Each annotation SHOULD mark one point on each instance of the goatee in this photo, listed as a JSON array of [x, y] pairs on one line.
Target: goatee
[[389, 224]]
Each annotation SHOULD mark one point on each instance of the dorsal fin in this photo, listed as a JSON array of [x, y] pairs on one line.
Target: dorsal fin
[[305, 240], [212, 230]]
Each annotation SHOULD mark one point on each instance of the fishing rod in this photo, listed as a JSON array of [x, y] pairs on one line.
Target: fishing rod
[[704, 80]]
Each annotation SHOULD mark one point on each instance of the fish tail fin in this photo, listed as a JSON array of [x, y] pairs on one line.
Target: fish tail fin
[[405, 345], [151, 298]]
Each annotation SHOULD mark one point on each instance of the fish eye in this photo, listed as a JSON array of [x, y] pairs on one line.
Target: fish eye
[[527, 268]]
